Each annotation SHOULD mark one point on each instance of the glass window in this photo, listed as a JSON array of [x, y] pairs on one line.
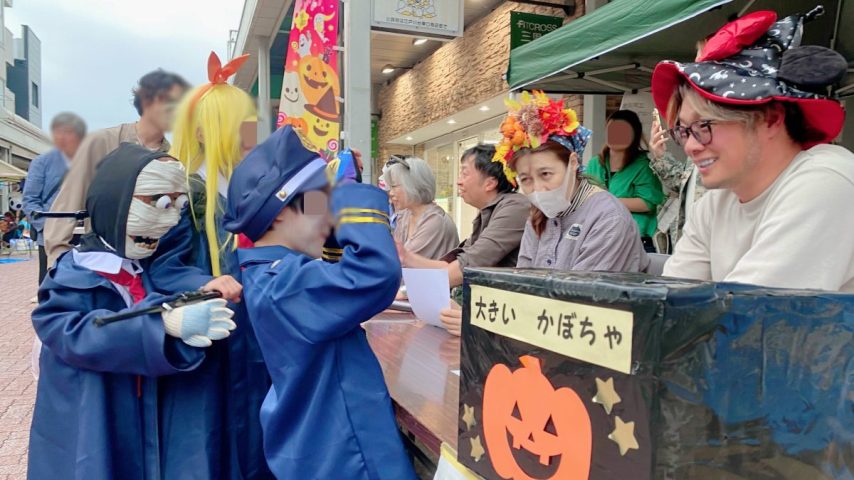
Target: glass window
[[35, 95]]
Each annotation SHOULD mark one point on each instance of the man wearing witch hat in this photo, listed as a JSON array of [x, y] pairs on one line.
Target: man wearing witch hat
[[97, 407], [753, 115]]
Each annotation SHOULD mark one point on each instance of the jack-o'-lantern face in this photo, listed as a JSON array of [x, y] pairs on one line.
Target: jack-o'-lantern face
[[315, 78], [321, 131], [523, 410]]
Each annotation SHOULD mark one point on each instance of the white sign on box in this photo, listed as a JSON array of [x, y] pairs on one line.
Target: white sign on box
[[436, 18]]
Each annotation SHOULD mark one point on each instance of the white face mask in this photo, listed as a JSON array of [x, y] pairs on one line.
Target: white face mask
[[149, 222], [554, 202]]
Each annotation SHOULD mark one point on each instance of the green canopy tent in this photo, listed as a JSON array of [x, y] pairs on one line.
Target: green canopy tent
[[613, 49]]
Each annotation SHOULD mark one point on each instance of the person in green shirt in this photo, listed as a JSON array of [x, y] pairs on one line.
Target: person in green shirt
[[623, 168]]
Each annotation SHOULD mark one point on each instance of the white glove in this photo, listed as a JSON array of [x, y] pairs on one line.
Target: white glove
[[198, 325]]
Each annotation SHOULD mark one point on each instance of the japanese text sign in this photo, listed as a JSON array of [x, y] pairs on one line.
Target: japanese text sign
[[596, 335], [527, 27], [430, 18]]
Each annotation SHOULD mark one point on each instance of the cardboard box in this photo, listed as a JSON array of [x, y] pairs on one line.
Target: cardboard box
[[621, 376]]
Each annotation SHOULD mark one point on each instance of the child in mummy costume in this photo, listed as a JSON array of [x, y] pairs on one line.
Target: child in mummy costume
[[97, 408]]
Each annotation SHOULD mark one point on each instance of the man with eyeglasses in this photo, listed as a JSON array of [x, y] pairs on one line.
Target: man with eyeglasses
[[155, 98], [758, 128]]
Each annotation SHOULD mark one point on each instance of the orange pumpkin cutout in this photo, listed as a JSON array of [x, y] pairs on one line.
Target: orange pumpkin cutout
[[524, 408]]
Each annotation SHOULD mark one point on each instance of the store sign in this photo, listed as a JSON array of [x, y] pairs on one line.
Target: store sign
[[427, 18], [527, 27]]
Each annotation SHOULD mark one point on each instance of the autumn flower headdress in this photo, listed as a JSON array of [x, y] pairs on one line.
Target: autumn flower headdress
[[533, 120]]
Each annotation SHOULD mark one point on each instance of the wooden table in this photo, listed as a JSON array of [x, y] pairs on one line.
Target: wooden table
[[421, 367]]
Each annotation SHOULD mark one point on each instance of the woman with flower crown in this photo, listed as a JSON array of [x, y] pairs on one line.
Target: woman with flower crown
[[574, 224]]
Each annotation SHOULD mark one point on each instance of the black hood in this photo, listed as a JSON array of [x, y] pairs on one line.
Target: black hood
[[110, 195]]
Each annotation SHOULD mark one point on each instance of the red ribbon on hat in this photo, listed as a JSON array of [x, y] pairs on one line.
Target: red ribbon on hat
[[218, 74], [737, 35], [126, 279]]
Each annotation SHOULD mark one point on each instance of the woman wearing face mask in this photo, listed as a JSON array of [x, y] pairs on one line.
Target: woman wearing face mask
[[574, 224], [623, 167]]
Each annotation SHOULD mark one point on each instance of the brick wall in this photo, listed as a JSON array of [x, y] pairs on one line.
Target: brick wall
[[460, 74]]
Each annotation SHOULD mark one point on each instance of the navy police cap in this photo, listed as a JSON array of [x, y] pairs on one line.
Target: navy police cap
[[268, 179]]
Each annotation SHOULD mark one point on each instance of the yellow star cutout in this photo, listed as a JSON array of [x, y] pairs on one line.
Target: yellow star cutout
[[606, 395], [468, 417], [477, 450], [624, 436]]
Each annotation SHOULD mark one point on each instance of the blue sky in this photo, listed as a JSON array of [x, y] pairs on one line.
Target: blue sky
[[93, 51]]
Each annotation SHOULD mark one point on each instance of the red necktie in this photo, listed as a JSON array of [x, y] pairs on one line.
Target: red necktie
[[129, 280], [244, 242]]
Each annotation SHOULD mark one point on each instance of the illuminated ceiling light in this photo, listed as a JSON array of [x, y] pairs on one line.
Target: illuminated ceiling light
[[452, 122], [388, 69], [484, 108], [409, 139], [419, 41]]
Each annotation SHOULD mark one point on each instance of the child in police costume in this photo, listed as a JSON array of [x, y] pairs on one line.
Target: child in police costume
[[96, 413], [328, 414]]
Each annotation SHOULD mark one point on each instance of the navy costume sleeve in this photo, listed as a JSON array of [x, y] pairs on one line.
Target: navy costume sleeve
[[328, 300], [172, 269], [64, 321]]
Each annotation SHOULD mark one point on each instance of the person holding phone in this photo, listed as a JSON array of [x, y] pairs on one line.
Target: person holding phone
[[623, 168]]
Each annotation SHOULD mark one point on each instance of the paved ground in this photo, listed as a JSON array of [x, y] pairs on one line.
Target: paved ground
[[17, 386]]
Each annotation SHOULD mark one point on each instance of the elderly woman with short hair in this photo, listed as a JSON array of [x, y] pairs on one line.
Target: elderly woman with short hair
[[422, 227]]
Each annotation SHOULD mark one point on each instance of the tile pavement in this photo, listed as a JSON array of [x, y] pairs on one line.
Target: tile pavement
[[17, 386]]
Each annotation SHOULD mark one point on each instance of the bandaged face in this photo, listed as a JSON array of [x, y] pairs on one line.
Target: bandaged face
[[158, 199]]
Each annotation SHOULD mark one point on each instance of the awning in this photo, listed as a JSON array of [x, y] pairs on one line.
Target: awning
[[614, 49], [11, 173]]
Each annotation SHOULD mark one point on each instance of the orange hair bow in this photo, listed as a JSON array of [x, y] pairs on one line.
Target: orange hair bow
[[218, 74]]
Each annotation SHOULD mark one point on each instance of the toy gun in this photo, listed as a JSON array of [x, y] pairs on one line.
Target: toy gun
[[78, 215], [184, 299]]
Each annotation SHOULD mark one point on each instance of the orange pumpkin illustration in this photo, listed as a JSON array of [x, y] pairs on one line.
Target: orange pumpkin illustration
[[316, 77], [523, 408]]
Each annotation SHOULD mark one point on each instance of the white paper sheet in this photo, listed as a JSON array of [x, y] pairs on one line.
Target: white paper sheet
[[428, 291]]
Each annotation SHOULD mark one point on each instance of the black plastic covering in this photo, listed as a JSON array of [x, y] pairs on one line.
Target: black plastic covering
[[728, 381]]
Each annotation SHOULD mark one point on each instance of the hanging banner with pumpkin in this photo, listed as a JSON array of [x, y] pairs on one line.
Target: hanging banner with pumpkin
[[311, 88], [610, 376]]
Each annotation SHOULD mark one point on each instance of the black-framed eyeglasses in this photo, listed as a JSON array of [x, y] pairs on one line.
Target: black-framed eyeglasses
[[701, 130]]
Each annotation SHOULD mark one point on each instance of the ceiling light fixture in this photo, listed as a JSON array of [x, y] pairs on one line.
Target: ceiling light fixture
[[484, 108], [452, 122], [409, 139], [419, 41]]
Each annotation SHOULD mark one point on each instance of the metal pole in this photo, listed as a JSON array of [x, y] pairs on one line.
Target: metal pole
[[357, 88], [594, 105], [265, 125]]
